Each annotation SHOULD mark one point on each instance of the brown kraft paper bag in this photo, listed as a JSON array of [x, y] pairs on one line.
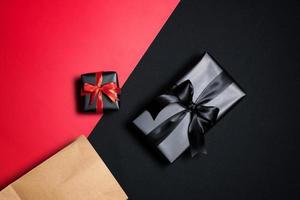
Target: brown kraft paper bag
[[74, 173]]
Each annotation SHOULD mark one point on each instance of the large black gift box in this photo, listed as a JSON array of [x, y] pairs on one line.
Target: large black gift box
[[178, 119]]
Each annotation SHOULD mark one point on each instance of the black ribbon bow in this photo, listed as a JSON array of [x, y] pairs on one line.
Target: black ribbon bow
[[202, 117]]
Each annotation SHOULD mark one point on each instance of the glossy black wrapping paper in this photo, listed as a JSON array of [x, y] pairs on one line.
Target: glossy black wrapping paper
[[201, 78]]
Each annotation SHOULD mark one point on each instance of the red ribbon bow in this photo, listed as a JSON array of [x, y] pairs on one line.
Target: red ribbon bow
[[111, 90]]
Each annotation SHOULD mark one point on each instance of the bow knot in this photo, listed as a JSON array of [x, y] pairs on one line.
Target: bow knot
[[193, 107]]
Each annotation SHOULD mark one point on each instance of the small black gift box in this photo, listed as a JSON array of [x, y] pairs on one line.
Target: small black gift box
[[179, 119], [100, 91]]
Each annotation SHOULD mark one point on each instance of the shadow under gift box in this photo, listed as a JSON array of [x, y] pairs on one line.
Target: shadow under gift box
[[74, 173], [200, 76]]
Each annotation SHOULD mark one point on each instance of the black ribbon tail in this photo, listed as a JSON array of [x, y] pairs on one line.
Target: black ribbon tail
[[196, 136], [201, 121], [162, 131]]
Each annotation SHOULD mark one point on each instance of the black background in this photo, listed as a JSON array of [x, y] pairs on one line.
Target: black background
[[253, 152]]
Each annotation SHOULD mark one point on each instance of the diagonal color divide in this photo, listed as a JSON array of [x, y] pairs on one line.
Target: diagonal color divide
[[45, 46]]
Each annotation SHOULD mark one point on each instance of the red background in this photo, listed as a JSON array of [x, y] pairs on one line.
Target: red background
[[44, 47]]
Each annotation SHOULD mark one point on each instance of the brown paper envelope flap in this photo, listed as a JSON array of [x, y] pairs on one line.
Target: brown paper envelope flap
[[74, 173]]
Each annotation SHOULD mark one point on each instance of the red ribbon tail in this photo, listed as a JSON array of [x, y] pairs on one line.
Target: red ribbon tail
[[99, 107]]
